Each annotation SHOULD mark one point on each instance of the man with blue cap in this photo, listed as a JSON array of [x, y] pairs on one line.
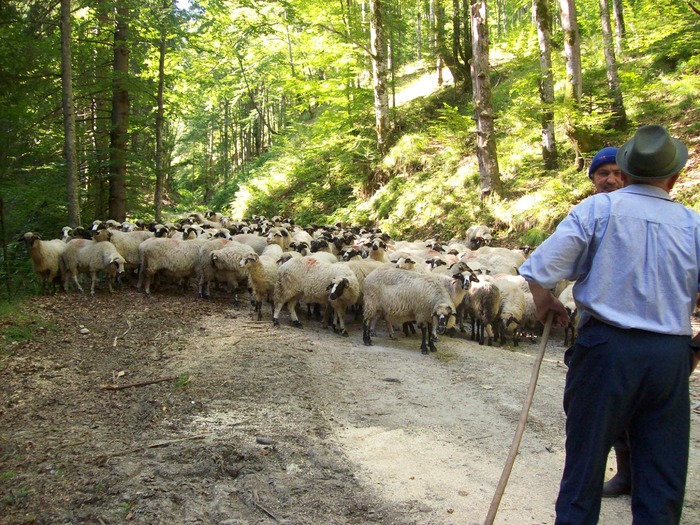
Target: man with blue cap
[[604, 171], [635, 257]]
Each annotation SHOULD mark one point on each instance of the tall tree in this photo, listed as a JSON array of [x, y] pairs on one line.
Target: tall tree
[[379, 74], [160, 110], [617, 106], [572, 50], [619, 26], [120, 116], [72, 183], [486, 153], [544, 35]]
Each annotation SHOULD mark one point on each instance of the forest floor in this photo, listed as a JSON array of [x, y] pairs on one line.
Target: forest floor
[[264, 425]]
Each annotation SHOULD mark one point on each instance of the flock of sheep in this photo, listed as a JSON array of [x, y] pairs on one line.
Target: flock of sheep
[[436, 286]]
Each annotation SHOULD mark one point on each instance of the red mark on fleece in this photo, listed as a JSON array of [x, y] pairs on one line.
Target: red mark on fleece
[[310, 262]]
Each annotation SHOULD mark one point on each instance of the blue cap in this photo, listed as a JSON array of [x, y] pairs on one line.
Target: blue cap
[[604, 156]]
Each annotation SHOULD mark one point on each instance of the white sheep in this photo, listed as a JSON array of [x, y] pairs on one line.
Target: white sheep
[[46, 258], [262, 276], [257, 242], [310, 280], [401, 297], [228, 263], [206, 272], [512, 306], [378, 251], [169, 256], [83, 256], [279, 236], [127, 244], [567, 299]]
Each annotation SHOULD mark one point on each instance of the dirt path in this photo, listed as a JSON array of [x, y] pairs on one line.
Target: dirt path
[[271, 426]]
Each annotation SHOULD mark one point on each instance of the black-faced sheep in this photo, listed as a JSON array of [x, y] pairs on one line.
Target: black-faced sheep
[[312, 281], [400, 297], [482, 304]]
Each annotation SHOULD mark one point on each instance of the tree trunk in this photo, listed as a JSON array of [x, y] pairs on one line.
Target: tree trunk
[[120, 118], [544, 35], [619, 26], [379, 75], [483, 109], [619, 120], [572, 50], [160, 172], [72, 183], [439, 40]]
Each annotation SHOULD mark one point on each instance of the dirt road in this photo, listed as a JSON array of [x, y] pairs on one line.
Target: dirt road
[[263, 425]]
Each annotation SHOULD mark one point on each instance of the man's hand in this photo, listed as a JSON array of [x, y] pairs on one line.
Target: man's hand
[[544, 302]]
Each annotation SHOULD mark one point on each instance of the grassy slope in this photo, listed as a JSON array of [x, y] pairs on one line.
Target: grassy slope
[[428, 184]]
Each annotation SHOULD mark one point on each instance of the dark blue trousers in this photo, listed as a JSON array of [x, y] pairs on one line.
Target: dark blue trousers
[[626, 380]]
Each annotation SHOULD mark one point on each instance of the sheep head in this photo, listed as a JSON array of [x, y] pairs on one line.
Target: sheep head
[[442, 313]]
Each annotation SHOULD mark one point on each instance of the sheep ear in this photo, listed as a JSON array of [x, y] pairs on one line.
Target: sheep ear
[[328, 288], [285, 233]]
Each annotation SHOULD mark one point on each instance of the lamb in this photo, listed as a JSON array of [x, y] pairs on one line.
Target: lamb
[[478, 236], [262, 275], [172, 257], [402, 297], [46, 258], [91, 257], [228, 263], [311, 280], [482, 305]]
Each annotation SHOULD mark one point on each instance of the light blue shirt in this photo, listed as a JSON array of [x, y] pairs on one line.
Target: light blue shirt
[[635, 257]]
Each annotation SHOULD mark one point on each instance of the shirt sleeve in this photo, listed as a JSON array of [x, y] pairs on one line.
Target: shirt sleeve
[[562, 255]]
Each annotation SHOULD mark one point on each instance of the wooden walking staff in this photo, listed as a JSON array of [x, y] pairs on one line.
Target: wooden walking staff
[[501, 487]]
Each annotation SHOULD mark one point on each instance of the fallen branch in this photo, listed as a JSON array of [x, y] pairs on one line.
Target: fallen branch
[[134, 385], [260, 507], [114, 344], [154, 445]]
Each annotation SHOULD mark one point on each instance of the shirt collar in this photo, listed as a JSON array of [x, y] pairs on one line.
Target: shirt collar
[[646, 189]]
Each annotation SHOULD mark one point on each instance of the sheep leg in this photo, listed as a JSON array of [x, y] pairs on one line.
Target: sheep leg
[[75, 280], [425, 337], [258, 308], [292, 307], [340, 316], [432, 339], [366, 339]]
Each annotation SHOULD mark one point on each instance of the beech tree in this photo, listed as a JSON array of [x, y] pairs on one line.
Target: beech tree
[[486, 153], [379, 74], [544, 34], [617, 106]]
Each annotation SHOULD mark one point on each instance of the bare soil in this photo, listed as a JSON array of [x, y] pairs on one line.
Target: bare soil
[[263, 425]]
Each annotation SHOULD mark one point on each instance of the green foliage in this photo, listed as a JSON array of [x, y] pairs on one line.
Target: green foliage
[[17, 325]]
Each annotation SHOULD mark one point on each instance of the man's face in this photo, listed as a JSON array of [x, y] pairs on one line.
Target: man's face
[[607, 178]]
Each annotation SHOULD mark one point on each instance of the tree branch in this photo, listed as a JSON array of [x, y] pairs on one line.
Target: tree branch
[[695, 9]]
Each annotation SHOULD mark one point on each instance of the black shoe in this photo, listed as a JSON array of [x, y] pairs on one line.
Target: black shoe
[[617, 486]]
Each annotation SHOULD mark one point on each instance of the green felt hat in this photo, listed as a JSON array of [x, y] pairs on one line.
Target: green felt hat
[[652, 154]]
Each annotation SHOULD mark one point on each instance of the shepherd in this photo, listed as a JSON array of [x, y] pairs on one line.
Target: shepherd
[[635, 256]]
